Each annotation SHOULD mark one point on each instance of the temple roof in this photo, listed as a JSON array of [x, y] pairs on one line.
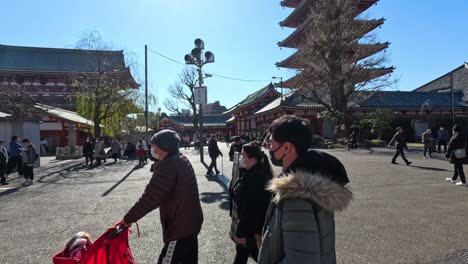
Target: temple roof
[[290, 100], [252, 98], [64, 114], [58, 60], [302, 11], [364, 51], [423, 88], [207, 120], [382, 99], [294, 40], [291, 3], [297, 82], [378, 99]]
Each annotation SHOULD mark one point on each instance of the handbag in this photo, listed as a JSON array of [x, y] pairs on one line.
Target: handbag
[[460, 153]]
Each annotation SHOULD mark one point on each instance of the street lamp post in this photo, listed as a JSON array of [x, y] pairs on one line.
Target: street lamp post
[[195, 58]]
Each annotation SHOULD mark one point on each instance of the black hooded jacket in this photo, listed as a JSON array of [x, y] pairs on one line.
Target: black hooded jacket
[[316, 162]]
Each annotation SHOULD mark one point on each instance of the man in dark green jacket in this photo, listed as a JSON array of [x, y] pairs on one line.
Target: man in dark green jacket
[[299, 225]]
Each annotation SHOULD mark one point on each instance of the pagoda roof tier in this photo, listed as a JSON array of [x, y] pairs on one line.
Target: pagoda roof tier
[[294, 40], [299, 81], [291, 3], [302, 11], [364, 51]]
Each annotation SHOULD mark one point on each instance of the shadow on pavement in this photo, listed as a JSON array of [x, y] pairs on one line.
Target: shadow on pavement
[[212, 197], [121, 180], [9, 191], [428, 168]]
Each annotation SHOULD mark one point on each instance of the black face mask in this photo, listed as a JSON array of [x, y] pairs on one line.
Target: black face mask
[[274, 161]]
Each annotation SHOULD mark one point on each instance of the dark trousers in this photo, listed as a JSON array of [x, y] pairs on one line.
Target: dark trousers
[[15, 162], [114, 156], [243, 253], [89, 159], [28, 172], [2, 174], [186, 145], [458, 171], [399, 151], [183, 251], [426, 149], [213, 165], [442, 143]]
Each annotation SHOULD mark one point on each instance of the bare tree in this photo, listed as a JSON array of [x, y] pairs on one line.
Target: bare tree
[[337, 59], [106, 90], [183, 92]]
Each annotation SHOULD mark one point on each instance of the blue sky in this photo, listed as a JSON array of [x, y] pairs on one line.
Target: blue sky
[[429, 38]]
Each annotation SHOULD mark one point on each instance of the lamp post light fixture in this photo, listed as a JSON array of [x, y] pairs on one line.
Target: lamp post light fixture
[[281, 84], [195, 58]]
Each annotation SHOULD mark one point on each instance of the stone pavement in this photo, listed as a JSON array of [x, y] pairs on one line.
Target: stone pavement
[[400, 214]]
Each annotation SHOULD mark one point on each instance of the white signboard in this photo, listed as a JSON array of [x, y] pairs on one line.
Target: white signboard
[[200, 94]]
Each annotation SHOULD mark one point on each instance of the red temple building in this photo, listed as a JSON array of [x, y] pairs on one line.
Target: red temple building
[[46, 76]]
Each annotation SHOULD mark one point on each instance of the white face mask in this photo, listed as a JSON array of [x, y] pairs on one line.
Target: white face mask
[[154, 154], [242, 163]]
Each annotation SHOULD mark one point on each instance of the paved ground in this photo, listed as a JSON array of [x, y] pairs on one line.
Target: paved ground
[[400, 214]]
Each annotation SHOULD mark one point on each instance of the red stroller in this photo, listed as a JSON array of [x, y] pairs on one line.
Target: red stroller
[[111, 248]]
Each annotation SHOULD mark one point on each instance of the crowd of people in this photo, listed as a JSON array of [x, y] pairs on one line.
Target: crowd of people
[[21, 157], [455, 149], [286, 218]]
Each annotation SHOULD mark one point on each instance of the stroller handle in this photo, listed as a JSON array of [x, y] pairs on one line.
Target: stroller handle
[[116, 232]]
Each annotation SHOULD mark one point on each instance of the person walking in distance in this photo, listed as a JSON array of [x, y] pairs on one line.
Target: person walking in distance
[[456, 154], [442, 138], [214, 152], [99, 151], [15, 159], [3, 163], [186, 142], [299, 225], [235, 147], [399, 142], [115, 149], [29, 156], [427, 141], [88, 150], [173, 189]]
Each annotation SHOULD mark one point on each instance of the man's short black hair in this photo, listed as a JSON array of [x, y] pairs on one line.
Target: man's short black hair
[[292, 129], [26, 140], [237, 139]]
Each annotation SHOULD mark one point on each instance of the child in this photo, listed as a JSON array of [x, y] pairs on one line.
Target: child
[[141, 155], [29, 157]]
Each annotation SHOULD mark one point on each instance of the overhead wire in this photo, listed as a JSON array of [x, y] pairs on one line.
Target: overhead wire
[[214, 74]]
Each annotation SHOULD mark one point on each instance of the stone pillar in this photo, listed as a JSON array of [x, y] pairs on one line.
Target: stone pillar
[[72, 138]]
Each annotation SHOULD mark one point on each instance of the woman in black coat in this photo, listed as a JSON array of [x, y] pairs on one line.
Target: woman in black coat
[[456, 153], [250, 200]]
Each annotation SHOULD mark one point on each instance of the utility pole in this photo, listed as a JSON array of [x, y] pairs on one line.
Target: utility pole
[[146, 93], [195, 58], [452, 99]]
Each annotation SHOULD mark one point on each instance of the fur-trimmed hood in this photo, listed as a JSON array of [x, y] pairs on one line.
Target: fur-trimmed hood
[[326, 194]]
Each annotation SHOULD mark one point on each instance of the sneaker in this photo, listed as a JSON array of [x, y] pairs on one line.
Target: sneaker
[[30, 182], [25, 183], [393, 162], [450, 180], [460, 184], [209, 174], [409, 163], [217, 173]]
